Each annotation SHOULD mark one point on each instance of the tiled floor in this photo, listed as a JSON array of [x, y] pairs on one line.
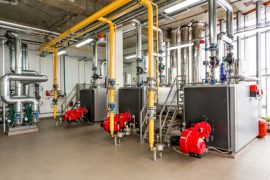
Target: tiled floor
[[72, 153]]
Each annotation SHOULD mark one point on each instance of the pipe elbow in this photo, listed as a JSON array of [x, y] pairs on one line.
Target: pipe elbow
[[147, 3]]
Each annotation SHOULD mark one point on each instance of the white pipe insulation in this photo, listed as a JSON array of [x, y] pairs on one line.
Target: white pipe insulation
[[10, 2]]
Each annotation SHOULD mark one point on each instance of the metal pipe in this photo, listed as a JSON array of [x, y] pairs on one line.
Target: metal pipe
[[19, 100], [102, 69], [225, 5], [197, 33], [99, 14], [151, 74], [138, 26], [10, 2], [258, 50], [229, 15], [160, 38], [239, 47], [12, 54], [160, 58], [212, 18], [18, 70], [95, 63], [55, 82], [221, 25], [112, 73], [26, 28], [3, 73], [173, 57], [185, 62]]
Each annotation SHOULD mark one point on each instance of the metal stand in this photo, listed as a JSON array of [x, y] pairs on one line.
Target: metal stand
[[22, 130], [117, 141]]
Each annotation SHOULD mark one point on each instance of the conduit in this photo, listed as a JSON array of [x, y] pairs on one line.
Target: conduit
[[112, 73]]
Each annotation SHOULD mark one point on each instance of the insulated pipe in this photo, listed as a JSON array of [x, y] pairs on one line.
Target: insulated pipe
[[99, 14], [185, 61], [24, 57], [95, 63], [112, 73], [160, 38], [102, 69], [197, 33], [3, 73], [55, 82], [238, 60], [221, 26], [151, 74], [229, 16], [18, 70], [12, 54], [138, 25], [19, 100], [160, 51], [27, 27], [138, 47], [212, 18], [10, 2]]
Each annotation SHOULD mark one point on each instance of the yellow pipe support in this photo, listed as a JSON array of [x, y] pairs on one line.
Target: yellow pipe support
[[55, 81], [104, 11], [151, 73], [112, 72]]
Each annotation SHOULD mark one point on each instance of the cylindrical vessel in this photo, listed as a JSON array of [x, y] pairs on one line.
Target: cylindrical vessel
[[185, 62], [173, 57], [262, 128], [198, 29]]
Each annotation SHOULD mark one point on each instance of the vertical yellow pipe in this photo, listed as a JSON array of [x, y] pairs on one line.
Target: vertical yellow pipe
[[112, 73], [55, 82], [151, 73]]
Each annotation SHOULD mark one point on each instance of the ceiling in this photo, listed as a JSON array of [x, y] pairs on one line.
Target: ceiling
[[55, 15], [59, 15]]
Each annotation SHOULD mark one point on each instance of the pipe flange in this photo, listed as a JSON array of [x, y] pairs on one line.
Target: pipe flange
[[151, 112], [55, 101], [111, 84], [111, 107], [151, 84], [55, 86]]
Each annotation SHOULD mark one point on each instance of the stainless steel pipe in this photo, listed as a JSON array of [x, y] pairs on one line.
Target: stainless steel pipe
[[19, 100]]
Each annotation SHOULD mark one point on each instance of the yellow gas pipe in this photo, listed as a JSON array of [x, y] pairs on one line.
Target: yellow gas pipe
[[112, 72], [97, 25], [104, 11], [151, 73], [55, 81]]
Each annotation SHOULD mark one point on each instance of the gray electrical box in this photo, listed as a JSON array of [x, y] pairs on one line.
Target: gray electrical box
[[95, 100], [232, 113]]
